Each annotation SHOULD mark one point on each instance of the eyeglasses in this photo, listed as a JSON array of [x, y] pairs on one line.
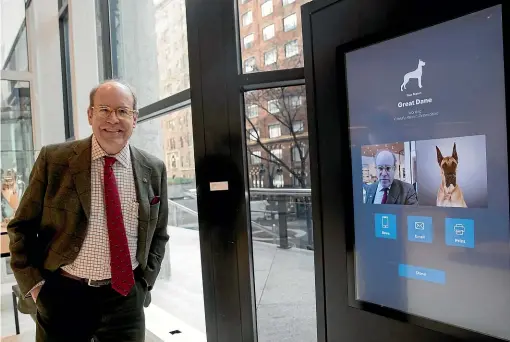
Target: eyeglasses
[[385, 168], [122, 112]]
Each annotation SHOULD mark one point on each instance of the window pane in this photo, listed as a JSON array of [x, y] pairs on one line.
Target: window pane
[[17, 157], [150, 47], [281, 224], [248, 41], [252, 111], [16, 143], [298, 126], [284, 37], [247, 18], [253, 133], [268, 32], [295, 154], [13, 44], [293, 101], [270, 57], [178, 293], [291, 49], [273, 106], [275, 131], [255, 156], [267, 8], [290, 22], [249, 65], [276, 154]]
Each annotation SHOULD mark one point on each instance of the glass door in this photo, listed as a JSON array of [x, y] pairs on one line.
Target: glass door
[[253, 183], [244, 179], [278, 167], [177, 300], [17, 153], [145, 44]]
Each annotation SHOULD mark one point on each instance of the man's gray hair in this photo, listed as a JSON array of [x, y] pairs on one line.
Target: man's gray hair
[[94, 91], [392, 154]]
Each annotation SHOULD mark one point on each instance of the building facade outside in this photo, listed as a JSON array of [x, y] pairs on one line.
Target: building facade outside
[[178, 146], [172, 56], [277, 138], [270, 33], [276, 126], [152, 56]]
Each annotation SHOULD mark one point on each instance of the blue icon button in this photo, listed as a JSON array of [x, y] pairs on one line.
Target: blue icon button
[[421, 273], [386, 226], [420, 229], [460, 232]]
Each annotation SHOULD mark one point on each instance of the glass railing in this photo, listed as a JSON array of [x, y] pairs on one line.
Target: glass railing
[[279, 216], [286, 213]]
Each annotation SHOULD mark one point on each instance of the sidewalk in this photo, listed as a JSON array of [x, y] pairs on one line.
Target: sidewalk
[[284, 288], [285, 292]]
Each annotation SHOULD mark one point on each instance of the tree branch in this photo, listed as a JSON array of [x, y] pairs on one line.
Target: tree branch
[[287, 113]]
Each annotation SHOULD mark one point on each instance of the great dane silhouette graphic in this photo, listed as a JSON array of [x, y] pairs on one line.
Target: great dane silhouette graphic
[[413, 74]]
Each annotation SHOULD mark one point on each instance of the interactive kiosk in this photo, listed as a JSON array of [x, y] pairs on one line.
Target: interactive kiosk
[[408, 103]]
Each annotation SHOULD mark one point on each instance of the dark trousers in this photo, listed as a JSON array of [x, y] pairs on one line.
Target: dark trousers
[[68, 310]]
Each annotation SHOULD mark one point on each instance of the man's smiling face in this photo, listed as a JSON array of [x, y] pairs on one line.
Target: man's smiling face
[[112, 131]]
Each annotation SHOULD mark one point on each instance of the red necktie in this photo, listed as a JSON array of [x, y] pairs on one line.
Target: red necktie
[[120, 259], [385, 196]]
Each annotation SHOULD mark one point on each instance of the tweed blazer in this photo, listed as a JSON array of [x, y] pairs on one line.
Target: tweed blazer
[[50, 224]]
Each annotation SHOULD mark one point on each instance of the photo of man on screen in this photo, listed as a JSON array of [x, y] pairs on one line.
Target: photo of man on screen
[[387, 189]]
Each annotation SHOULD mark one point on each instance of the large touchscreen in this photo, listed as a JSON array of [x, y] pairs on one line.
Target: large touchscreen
[[428, 133]]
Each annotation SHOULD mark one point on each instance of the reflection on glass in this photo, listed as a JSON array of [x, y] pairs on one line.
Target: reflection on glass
[[13, 43], [99, 35], [150, 47], [178, 293], [17, 155], [274, 28], [280, 202], [66, 79]]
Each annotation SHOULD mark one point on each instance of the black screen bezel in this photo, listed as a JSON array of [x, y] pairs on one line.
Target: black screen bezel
[[402, 29]]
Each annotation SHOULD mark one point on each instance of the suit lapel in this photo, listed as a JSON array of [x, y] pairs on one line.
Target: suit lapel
[[142, 175], [394, 192], [80, 165]]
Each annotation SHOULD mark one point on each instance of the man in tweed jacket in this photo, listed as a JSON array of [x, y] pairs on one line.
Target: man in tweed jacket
[[62, 252]]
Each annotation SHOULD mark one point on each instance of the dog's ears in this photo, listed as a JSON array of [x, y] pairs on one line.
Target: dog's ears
[[439, 156], [454, 153]]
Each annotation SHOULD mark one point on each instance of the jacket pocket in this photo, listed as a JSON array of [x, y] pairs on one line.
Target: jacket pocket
[[154, 211]]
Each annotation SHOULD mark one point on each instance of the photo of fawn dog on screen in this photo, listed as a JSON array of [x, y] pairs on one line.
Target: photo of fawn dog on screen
[[452, 172], [449, 193]]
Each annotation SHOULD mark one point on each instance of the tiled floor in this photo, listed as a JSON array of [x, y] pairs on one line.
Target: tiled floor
[[28, 336], [27, 325]]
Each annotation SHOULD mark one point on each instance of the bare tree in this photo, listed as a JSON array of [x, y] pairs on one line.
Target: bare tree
[[285, 106]]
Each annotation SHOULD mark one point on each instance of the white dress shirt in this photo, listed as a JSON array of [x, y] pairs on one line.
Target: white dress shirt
[[380, 193], [93, 261]]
